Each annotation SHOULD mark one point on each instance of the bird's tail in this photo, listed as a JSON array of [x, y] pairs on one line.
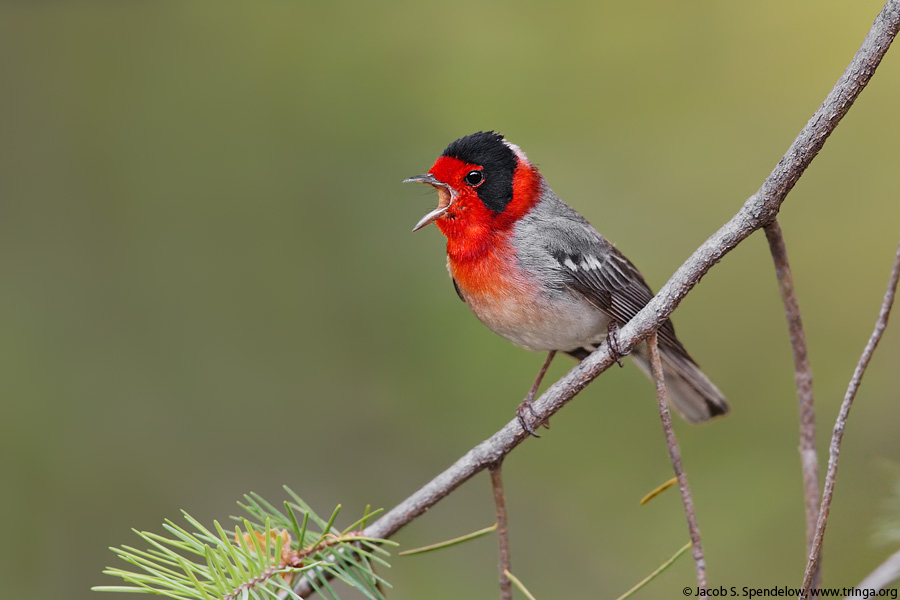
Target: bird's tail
[[691, 393]]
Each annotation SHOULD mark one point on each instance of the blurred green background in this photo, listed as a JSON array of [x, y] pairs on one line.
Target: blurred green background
[[210, 285]]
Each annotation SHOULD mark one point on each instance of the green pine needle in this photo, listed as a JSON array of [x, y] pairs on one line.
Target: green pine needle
[[361, 523], [519, 585], [653, 575], [303, 530], [446, 544], [294, 525], [318, 521]]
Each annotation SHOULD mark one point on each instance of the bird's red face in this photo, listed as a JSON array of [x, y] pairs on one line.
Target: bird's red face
[[484, 184]]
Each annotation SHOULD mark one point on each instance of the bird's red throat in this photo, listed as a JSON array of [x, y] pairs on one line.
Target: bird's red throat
[[478, 239]]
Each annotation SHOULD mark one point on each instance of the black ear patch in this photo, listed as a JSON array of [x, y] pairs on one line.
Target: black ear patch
[[487, 150]]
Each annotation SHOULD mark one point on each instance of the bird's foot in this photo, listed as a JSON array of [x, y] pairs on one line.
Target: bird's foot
[[612, 339], [527, 416]]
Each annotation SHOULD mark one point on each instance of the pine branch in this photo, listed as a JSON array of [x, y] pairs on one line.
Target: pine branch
[[259, 560]]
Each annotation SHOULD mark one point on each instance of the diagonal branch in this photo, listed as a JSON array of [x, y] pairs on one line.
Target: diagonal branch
[[809, 459], [675, 457], [759, 210], [838, 435]]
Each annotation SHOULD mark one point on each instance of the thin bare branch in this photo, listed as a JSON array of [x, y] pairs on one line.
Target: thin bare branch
[[502, 531], [809, 458], [758, 210], [841, 421], [675, 456], [887, 573]]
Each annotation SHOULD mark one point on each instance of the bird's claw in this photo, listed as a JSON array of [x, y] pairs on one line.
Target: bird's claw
[[528, 417], [612, 340]]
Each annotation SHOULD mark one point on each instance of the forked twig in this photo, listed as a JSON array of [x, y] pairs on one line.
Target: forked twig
[[675, 456], [841, 421], [809, 458]]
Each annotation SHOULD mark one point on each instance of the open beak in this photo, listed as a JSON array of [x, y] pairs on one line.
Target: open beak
[[445, 198]]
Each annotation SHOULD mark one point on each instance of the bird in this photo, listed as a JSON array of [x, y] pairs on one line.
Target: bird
[[534, 271]]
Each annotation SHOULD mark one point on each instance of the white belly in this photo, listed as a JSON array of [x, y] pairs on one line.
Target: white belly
[[565, 324]]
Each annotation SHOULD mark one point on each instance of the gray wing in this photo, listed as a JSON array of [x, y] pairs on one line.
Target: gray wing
[[614, 285], [591, 266]]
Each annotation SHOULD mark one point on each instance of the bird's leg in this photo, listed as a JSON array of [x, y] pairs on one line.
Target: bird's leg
[[526, 404], [612, 339]]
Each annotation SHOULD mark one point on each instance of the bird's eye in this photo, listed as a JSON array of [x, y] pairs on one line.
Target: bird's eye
[[474, 178]]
